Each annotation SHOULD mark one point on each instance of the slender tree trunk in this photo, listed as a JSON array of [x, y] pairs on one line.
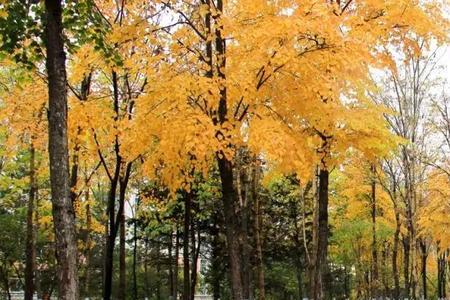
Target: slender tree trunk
[[110, 240], [374, 279], [30, 251], [62, 209], [228, 197], [320, 261], [146, 277], [258, 243], [186, 267], [395, 271], [171, 264], [175, 273], [37, 279], [135, 289], [441, 275], [215, 259], [158, 271], [195, 256], [122, 254], [406, 269], [424, 255], [88, 242], [242, 186]]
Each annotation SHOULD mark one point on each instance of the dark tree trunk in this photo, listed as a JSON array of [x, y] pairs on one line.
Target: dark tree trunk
[[171, 265], [122, 254], [424, 256], [110, 239], [258, 243], [216, 258], [186, 267], [374, 279], [442, 264], [175, 271], [62, 209], [320, 261], [37, 278], [88, 242], [30, 251], [146, 275], [135, 289], [226, 169], [246, 268], [195, 256], [406, 269], [158, 271], [231, 230], [395, 271]]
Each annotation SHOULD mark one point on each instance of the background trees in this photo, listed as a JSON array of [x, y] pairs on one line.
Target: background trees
[[246, 149]]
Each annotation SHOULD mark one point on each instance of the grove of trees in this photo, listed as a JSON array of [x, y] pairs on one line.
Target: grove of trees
[[242, 149]]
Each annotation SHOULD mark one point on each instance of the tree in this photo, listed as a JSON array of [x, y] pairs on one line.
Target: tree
[[63, 214]]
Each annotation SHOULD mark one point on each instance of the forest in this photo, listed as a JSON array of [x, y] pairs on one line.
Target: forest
[[224, 149]]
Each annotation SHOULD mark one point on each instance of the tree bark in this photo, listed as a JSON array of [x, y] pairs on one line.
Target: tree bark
[[186, 228], [62, 209], [30, 251], [228, 198], [374, 279], [135, 289], [258, 243], [406, 269], [424, 255], [88, 241], [195, 256], [122, 255], [441, 275], [175, 273], [395, 271], [320, 261], [110, 239], [226, 167], [242, 186], [171, 265]]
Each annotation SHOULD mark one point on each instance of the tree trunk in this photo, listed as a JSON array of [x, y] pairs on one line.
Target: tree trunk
[[171, 265], [320, 260], [226, 166], [242, 186], [395, 271], [216, 258], [122, 254], [424, 255], [135, 289], [440, 271], [30, 251], [374, 279], [406, 248], [37, 278], [110, 240], [186, 268], [175, 273], [62, 209], [258, 243], [88, 242], [158, 271], [228, 198], [195, 256]]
